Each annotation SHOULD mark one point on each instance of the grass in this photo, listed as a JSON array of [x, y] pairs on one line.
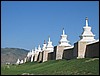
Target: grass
[[85, 66]]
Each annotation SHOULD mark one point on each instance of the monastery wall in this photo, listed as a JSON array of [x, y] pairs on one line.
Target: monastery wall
[[54, 53], [75, 50], [68, 53], [28, 59], [80, 50], [51, 56], [92, 50]]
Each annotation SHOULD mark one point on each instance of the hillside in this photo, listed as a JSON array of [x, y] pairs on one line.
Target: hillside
[[12, 54], [86, 66]]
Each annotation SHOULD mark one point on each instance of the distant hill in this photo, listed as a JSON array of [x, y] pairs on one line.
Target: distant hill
[[12, 54]]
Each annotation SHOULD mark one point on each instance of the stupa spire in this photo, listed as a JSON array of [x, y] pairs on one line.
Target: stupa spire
[[86, 21], [35, 48], [44, 42], [63, 32], [39, 48], [44, 45], [49, 38]]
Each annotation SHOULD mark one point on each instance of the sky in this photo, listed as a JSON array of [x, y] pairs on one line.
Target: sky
[[26, 24]]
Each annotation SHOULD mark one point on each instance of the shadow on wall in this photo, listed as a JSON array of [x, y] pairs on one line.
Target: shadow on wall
[[68, 54], [92, 50], [75, 50], [51, 56], [39, 58], [54, 57]]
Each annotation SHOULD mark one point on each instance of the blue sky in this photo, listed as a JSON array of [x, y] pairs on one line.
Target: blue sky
[[26, 24]]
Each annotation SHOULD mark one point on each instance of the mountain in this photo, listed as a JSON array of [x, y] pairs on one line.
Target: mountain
[[10, 55]]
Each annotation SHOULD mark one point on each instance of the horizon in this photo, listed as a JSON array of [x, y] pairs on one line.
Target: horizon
[[26, 24]]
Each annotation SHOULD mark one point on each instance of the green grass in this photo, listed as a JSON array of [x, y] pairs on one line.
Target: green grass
[[86, 66]]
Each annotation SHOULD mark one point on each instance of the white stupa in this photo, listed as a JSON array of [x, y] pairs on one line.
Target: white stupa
[[21, 62], [35, 51], [49, 46], [87, 35], [25, 59], [18, 61], [63, 41], [39, 48], [29, 54], [32, 52], [44, 45]]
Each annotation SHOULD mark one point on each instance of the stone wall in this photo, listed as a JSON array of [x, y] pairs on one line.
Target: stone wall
[[54, 53], [68, 53], [28, 59], [80, 50], [75, 50], [92, 50], [51, 56]]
